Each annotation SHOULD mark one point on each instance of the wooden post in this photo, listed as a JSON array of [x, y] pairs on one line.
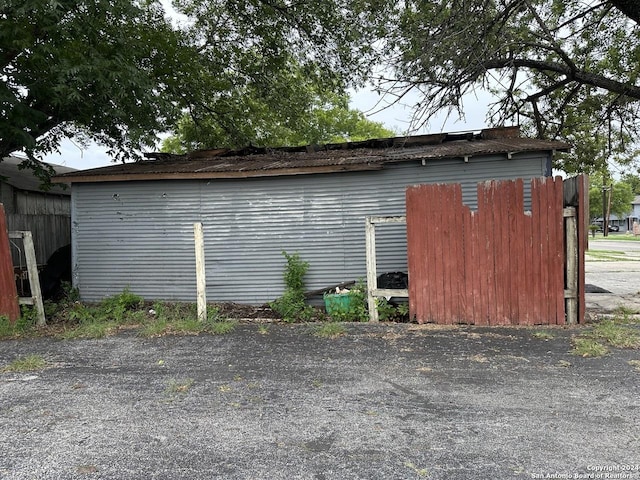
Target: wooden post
[[8, 294], [34, 279], [571, 292], [201, 280], [372, 277]]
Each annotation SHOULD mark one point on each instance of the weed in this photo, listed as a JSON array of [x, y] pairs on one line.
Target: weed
[[625, 310], [543, 335], [154, 328], [607, 333], [615, 334], [388, 311], [120, 308], [588, 347], [183, 318], [355, 308], [329, 330], [263, 329], [89, 329], [29, 363], [181, 386], [292, 306], [635, 363], [22, 326]]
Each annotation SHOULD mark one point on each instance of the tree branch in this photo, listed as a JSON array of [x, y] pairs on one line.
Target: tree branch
[[580, 76], [631, 8]]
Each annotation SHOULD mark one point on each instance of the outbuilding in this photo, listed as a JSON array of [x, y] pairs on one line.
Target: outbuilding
[[132, 224]]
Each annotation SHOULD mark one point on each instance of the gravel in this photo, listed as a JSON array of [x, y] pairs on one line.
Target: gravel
[[383, 401]]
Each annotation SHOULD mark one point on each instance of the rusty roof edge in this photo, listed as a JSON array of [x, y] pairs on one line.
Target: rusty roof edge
[[375, 143], [127, 177], [398, 149]]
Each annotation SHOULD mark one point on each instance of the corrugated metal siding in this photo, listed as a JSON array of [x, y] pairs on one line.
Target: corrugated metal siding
[[140, 234]]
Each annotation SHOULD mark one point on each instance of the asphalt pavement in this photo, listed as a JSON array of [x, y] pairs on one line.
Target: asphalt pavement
[[613, 268], [383, 401]]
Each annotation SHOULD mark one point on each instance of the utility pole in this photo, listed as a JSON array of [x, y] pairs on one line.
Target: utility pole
[[605, 210]]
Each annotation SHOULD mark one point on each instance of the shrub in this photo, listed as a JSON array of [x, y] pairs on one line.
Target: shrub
[[292, 305]]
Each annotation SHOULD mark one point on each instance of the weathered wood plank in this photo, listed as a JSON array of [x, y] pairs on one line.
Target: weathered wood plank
[[8, 294]]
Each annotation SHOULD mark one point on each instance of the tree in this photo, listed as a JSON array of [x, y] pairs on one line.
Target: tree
[[559, 67], [621, 197], [633, 181], [326, 120], [101, 69], [119, 72]]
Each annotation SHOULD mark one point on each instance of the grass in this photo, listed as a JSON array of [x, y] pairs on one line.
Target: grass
[[24, 326], [179, 386], [71, 319], [543, 335], [329, 330], [626, 238], [588, 347], [609, 256], [30, 363], [597, 341]]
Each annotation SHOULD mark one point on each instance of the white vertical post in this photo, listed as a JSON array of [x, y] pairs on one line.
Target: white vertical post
[[372, 277], [201, 280], [34, 280], [572, 265]]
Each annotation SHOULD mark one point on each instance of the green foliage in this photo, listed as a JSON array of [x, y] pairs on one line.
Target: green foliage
[[621, 197], [389, 312], [633, 181], [119, 71], [29, 363], [169, 318], [309, 120], [615, 332], [560, 68], [588, 347], [101, 69], [103, 319], [292, 305], [25, 325], [356, 307], [329, 330]]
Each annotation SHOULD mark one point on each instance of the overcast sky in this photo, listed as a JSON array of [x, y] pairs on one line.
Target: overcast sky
[[395, 117]]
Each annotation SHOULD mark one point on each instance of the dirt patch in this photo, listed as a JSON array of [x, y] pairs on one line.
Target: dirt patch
[[242, 311]]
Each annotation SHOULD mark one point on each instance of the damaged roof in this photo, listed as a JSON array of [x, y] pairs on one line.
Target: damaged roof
[[25, 179], [342, 157]]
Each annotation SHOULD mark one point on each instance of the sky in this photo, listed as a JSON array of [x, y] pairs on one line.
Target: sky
[[396, 117]]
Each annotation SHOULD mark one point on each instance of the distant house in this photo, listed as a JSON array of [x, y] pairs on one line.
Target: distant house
[[133, 223], [47, 214], [634, 215]]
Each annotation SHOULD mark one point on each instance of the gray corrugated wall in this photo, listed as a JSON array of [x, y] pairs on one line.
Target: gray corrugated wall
[[140, 234]]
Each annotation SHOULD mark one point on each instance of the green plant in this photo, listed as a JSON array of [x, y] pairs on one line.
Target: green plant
[[29, 363], [182, 318], [292, 305], [121, 307], [588, 347], [179, 386], [615, 335], [329, 330], [543, 335], [355, 309]]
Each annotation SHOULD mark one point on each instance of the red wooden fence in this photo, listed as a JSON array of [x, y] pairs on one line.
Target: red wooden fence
[[8, 295], [498, 265]]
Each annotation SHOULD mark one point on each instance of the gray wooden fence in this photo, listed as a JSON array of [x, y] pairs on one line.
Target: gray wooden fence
[[50, 232]]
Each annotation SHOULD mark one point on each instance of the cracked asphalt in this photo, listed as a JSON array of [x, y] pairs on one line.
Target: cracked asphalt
[[383, 401]]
